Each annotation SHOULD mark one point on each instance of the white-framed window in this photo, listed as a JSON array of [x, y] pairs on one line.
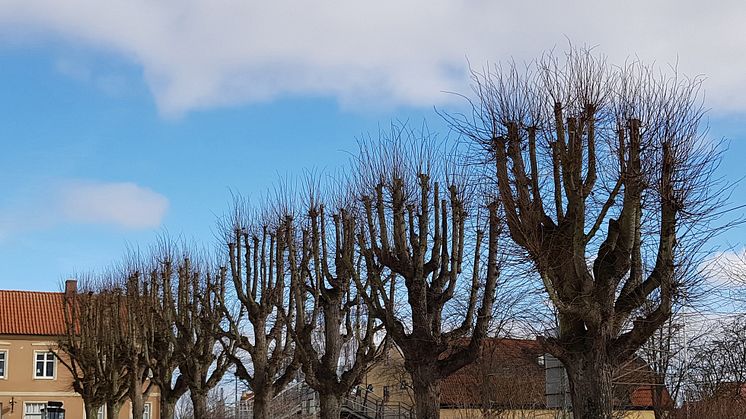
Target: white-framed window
[[33, 410], [44, 365], [101, 413], [3, 363]]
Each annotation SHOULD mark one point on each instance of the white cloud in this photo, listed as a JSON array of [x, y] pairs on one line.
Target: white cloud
[[122, 204], [82, 202], [199, 53], [108, 82], [726, 268]]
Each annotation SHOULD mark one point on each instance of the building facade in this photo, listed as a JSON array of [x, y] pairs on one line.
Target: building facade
[[31, 377]]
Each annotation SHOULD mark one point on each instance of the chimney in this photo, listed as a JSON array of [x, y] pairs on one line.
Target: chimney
[[71, 287]]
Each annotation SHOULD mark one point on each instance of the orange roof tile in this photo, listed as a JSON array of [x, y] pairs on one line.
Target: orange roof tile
[[31, 313]]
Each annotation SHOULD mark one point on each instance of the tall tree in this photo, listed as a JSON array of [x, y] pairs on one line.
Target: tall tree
[[136, 321], [93, 343], [199, 324], [413, 241], [257, 254], [184, 294], [166, 353], [579, 145], [85, 345], [330, 315]]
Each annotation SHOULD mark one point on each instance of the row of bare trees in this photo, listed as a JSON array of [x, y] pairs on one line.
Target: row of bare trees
[[319, 280], [151, 322], [595, 179]]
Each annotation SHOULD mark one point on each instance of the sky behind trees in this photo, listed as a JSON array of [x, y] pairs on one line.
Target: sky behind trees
[[127, 119]]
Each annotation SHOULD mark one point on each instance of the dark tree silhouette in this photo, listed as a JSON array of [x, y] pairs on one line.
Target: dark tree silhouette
[[89, 351], [606, 185], [336, 337], [184, 299], [257, 254], [413, 240]]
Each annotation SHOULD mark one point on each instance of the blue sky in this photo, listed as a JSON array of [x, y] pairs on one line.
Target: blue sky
[[121, 122]]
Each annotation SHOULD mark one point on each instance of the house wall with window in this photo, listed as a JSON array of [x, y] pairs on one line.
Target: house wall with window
[[30, 374], [32, 377]]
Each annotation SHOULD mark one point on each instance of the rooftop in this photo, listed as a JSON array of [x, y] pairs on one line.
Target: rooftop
[[32, 313]]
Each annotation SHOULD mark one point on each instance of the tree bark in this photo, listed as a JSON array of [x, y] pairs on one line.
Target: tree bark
[[168, 408], [112, 410], [426, 387], [331, 406], [137, 409], [261, 405], [591, 388], [91, 412], [136, 401], [199, 404]]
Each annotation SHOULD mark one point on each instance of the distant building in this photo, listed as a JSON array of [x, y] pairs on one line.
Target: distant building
[[31, 378], [514, 378]]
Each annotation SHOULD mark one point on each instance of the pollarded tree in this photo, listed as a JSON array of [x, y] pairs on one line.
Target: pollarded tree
[[605, 181], [86, 345], [184, 295], [324, 265], [415, 245], [136, 320], [257, 254], [199, 324], [166, 354]]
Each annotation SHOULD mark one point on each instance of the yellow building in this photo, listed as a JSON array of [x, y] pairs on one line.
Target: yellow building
[[31, 378]]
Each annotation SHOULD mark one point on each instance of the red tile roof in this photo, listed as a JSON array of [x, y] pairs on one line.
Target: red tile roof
[[31, 313]]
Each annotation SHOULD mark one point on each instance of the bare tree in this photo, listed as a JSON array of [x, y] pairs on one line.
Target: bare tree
[[166, 354], [580, 145], [184, 298], [89, 351], [205, 360], [414, 235], [135, 341], [330, 315], [257, 254], [719, 373]]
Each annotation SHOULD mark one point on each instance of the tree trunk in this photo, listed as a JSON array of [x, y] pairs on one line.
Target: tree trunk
[[331, 406], [261, 405], [591, 388], [168, 408], [426, 392], [199, 404], [135, 391], [112, 410], [138, 406], [91, 411]]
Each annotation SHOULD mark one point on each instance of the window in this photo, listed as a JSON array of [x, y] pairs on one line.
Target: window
[[101, 413], [33, 410], [44, 365], [3, 363]]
